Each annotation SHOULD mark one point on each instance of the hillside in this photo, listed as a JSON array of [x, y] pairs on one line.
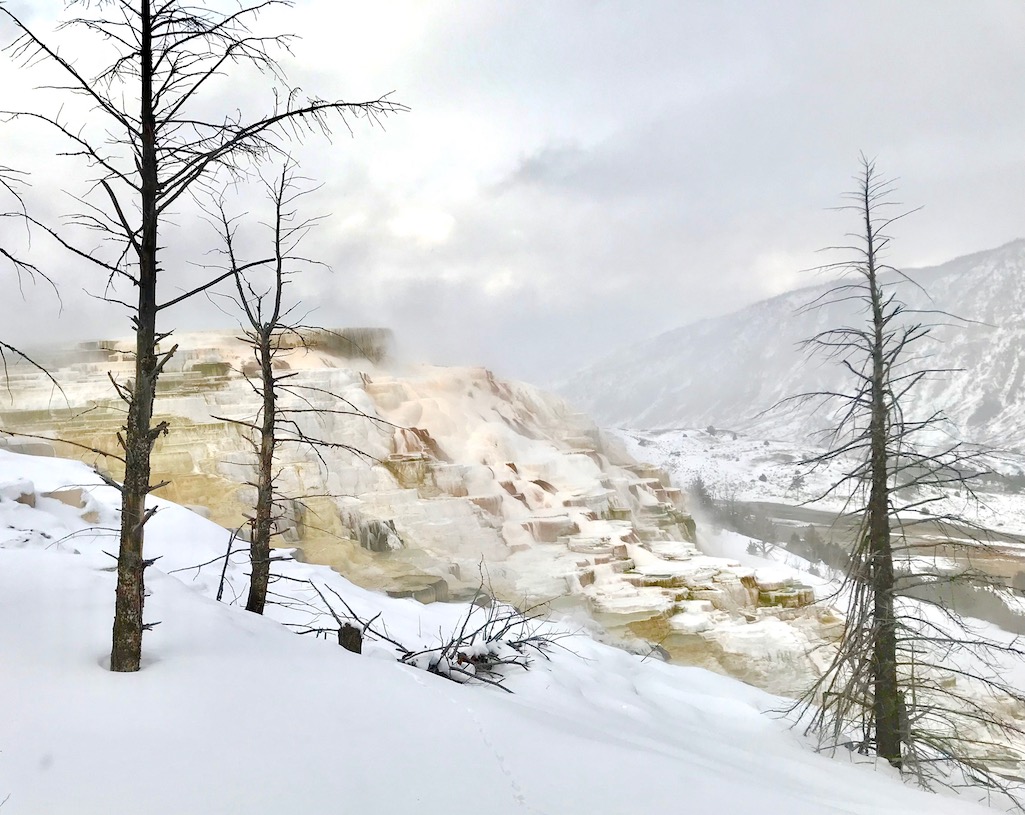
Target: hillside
[[474, 487], [234, 713], [726, 371]]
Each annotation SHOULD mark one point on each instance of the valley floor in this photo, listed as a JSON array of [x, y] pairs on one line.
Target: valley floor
[[769, 472]]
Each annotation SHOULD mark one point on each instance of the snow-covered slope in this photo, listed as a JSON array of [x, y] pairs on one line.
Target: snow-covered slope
[[726, 371], [234, 713]]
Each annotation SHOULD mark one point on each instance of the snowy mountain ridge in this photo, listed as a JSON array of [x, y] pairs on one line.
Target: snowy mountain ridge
[[728, 370]]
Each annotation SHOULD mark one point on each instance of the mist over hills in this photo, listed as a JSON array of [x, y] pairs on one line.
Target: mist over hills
[[727, 370]]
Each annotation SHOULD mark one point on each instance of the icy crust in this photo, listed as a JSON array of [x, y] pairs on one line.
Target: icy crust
[[235, 713]]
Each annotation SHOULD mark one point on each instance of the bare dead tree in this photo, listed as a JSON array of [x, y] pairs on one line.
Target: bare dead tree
[[911, 680], [273, 329], [157, 145]]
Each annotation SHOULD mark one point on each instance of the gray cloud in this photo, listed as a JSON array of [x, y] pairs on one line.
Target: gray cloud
[[576, 176]]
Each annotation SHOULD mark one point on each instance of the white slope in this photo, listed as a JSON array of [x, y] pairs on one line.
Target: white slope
[[726, 371], [233, 713]]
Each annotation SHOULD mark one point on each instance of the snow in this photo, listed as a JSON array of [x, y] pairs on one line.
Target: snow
[[236, 713]]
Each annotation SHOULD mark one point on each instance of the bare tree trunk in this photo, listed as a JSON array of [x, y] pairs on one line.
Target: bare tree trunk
[[884, 641], [263, 521], [126, 651], [267, 322]]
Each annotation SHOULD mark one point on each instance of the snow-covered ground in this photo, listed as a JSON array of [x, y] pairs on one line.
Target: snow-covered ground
[[236, 713]]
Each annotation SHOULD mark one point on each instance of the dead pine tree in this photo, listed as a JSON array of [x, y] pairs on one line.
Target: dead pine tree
[[149, 142], [273, 329], [875, 379], [912, 681]]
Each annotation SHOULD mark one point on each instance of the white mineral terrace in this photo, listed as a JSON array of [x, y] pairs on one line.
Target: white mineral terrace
[[469, 475]]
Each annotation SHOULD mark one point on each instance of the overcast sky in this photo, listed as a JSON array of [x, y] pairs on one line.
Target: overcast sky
[[574, 176]]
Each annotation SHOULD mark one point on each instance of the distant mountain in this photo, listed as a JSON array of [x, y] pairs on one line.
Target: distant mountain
[[726, 371]]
